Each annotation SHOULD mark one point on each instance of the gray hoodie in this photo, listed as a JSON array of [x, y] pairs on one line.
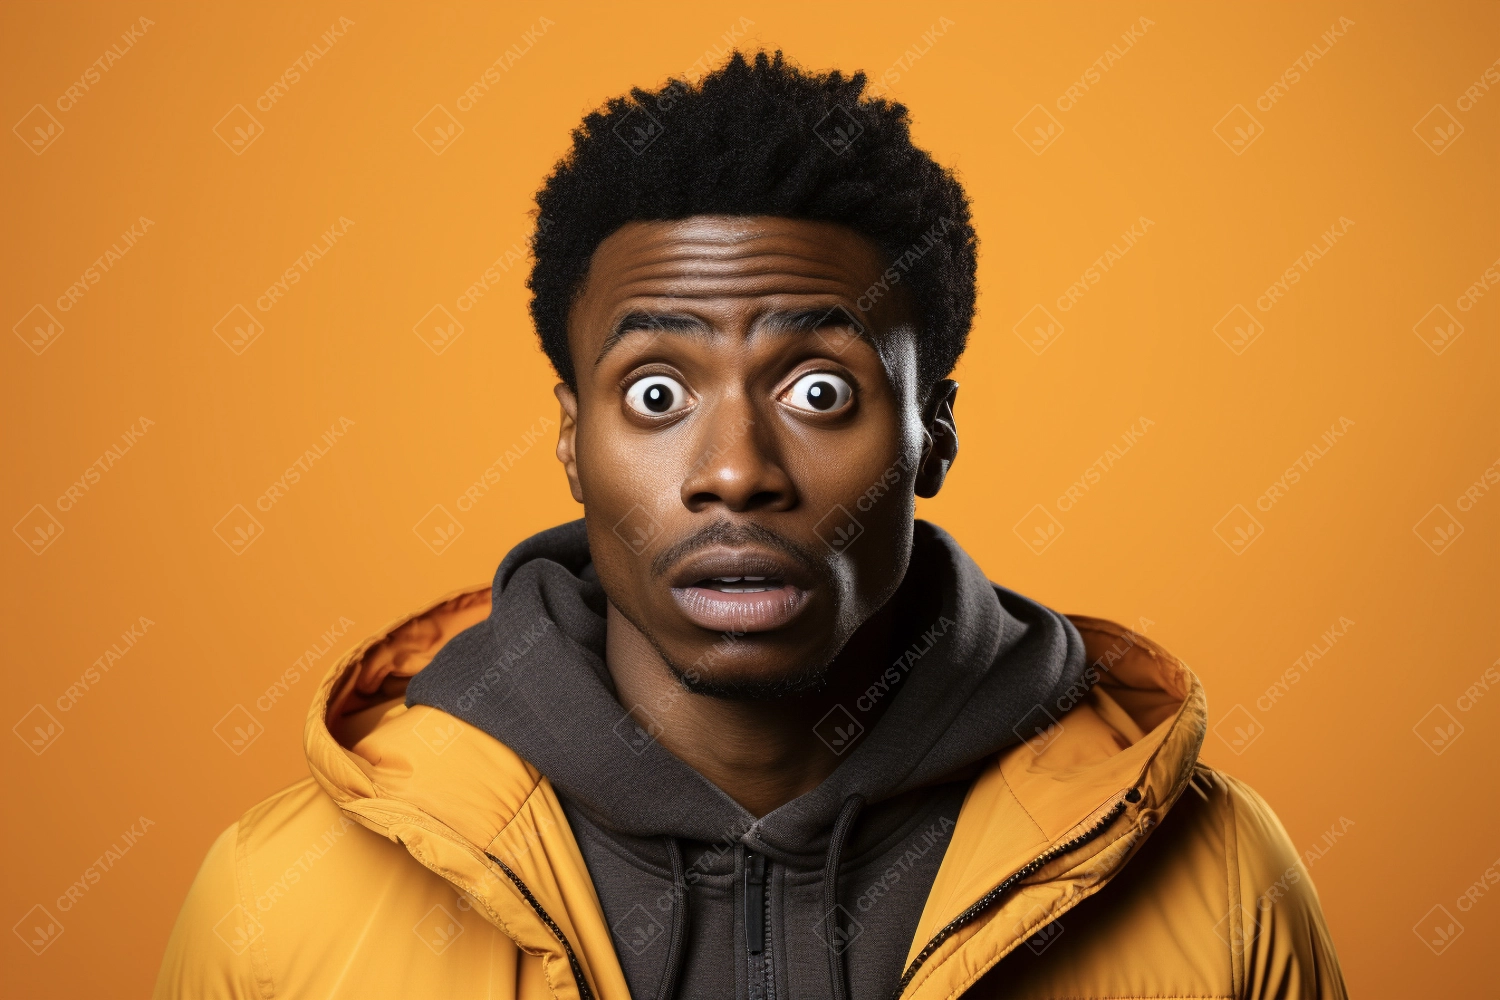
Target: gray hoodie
[[820, 897]]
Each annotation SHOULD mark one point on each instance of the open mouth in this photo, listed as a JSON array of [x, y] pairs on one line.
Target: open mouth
[[740, 591], [741, 584]]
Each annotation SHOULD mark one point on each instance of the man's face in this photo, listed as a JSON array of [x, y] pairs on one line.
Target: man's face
[[746, 439]]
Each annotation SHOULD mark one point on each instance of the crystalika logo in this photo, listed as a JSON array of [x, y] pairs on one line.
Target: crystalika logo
[[38, 129], [637, 529], [1038, 129], [39, 928], [438, 929], [838, 528], [238, 129], [1038, 529], [1038, 329], [238, 729], [38, 529], [438, 129], [1438, 129], [38, 329], [638, 929], [1238, 129], [838, 729], [38, 729], [438, 529], [438, 329]]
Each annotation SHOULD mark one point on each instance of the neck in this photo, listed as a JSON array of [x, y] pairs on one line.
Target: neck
[[761, 752]]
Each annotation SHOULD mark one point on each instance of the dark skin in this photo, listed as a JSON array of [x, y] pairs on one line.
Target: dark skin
[[724, 410]]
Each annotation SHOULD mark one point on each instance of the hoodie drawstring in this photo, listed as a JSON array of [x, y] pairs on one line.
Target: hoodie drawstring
[[841, 828], [676, 944]]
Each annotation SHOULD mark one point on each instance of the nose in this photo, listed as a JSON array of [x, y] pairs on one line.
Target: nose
[[736, 465]]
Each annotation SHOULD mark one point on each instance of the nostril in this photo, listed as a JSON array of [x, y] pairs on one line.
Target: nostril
[[759, 500], [765, 498]]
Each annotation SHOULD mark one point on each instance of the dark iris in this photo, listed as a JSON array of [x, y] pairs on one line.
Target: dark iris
[[822, 395], [658, 398]]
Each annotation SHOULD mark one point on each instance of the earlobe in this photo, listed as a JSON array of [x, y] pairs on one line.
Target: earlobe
[[942, 438], [567, 437]]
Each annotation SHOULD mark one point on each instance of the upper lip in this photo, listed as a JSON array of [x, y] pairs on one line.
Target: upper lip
[[723, 561]]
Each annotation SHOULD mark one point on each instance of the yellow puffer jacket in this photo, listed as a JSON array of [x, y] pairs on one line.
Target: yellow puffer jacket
[[425, 859]]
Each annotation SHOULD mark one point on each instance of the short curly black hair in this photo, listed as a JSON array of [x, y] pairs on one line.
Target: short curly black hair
[[760, 137]]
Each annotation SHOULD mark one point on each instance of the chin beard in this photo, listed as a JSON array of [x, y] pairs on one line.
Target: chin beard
[[696, 681], [698, 677]]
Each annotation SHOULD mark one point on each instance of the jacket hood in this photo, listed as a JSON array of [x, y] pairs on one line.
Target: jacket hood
[[972, 669]]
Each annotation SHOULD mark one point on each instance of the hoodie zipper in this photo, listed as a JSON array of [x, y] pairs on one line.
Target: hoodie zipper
[[989, 898], [584, 993], [761, 968]]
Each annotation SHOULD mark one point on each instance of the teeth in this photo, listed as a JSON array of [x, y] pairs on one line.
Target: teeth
[[742, 584]]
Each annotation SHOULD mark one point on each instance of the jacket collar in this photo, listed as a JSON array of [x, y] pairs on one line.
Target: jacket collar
[[1060, 814], [462, 803]]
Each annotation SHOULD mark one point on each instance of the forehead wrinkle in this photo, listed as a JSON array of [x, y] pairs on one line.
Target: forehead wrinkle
[[715, 238], [785, 321], [711, 245], [700, 288], [760, 265], [669, 250], [742, 251]]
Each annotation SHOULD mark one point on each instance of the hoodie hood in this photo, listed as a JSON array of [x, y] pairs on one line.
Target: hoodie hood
[[970, 674]]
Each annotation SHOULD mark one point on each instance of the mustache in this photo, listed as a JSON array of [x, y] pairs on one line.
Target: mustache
[[731, 533]]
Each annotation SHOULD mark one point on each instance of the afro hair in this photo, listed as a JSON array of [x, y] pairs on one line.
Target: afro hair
[[760, 137]]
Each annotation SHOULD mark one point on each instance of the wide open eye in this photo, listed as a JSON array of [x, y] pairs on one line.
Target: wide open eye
[[820, 392], [656, 395]]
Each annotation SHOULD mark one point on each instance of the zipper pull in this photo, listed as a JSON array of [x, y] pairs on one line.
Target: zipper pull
[[755, 903]]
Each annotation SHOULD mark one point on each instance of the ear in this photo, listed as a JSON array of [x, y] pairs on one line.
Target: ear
[[567, 434], [941, 448]]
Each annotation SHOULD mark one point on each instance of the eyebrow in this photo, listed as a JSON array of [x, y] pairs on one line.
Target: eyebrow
[[786, 321], [638, 321]]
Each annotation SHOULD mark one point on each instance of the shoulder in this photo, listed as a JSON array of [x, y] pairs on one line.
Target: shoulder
[[282, 894], [1230, 821], [1273, 923], [208, 914], [1259, 851], [215, 947], [1211, 902]]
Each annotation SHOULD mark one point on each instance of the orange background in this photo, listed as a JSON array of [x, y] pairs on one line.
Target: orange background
[[1339, 747]]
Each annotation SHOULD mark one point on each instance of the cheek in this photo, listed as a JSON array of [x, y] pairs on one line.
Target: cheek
[[616, 466], [868, 471], [629, 491], [861, 484]]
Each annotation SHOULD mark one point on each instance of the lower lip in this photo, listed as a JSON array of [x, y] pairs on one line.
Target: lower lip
[[758, 612]]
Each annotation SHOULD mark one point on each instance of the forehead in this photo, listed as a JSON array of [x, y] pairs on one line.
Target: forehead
[[689, 254], [714, 266]]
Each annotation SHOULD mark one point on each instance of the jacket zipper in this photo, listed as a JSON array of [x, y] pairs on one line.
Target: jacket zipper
[[989, 898], [758, 928], [584, 992]]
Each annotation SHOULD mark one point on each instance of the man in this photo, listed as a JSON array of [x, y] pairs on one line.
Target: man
[[748, 729]]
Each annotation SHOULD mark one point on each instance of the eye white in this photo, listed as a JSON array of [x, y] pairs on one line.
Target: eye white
[[656, 395], [819, 392]]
